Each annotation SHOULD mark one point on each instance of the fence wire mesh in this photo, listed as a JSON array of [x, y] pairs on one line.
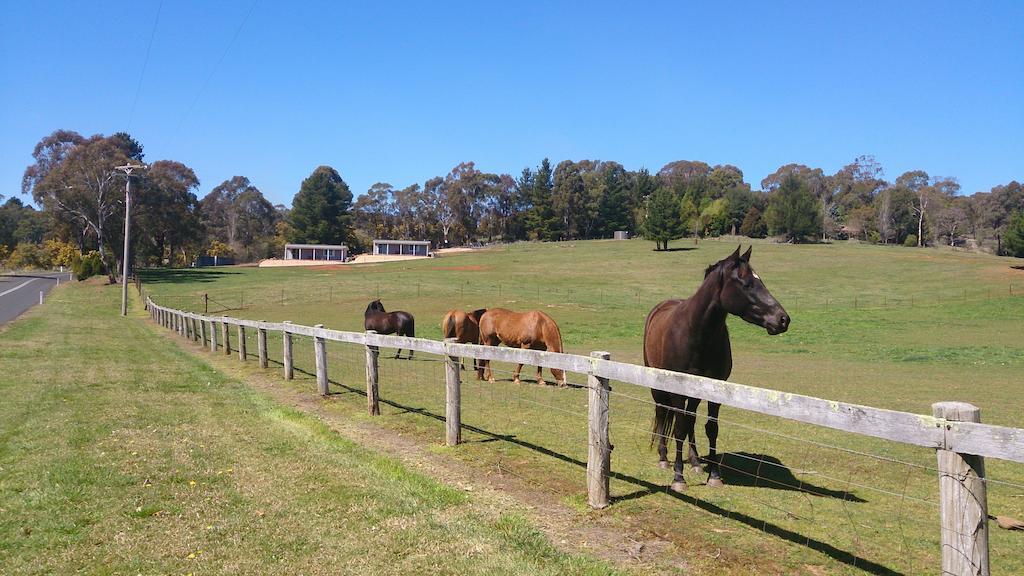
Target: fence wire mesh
[[868, 505]]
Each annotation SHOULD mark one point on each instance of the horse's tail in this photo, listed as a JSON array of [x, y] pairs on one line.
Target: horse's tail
[[411, 327], [448, 325], [664, 419], [552, 336]]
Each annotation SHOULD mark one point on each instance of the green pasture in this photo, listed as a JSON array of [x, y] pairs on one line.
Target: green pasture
[[120, 453], [884, 326]]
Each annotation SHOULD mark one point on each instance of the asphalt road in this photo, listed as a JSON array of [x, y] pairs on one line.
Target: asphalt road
[[19, 292]]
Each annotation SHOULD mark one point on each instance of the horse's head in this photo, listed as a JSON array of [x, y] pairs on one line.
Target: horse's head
[[374, 306], [476, 315], [744, 294]]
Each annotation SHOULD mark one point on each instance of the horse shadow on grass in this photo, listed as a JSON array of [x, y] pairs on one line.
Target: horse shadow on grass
[[764, 471]]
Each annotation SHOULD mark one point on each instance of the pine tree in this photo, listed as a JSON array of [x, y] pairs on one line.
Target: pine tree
[[1013, 240], [320, 211], [663, 218], [793, 211]]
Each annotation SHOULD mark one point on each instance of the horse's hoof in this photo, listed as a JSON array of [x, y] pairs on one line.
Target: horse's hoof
[[663, 464], [563, 384], [491, 380], [678, 486], [716, 483], [541, 383], [517, 381], [698, 469]]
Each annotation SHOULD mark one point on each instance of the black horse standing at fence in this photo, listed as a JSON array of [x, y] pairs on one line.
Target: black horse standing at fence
[[690, 336], [399, 322]]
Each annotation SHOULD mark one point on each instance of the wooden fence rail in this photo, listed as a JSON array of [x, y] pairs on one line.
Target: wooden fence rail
[[954, 429]]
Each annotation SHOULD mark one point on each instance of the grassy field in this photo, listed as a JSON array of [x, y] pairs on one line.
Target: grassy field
[[120, 453], [884, 326]]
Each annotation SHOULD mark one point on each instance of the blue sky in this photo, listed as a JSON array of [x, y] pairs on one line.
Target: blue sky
[[398, 93]]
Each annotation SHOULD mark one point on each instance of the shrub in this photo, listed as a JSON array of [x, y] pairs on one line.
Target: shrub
[[88, 266], [874, 237], [911, 241]]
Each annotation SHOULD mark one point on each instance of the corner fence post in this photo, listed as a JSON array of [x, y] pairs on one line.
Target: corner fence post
[[372, 392], [213, 336], [286, 337], [241, 343], [963, 502], [320, 348], [453, 398], [599, 455], [225, 336], [261, 344]]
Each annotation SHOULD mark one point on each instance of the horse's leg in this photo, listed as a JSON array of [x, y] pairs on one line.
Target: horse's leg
[[711, 428], [679, 434], [691, 409], [661, 433], [540, 376], [515, 375]]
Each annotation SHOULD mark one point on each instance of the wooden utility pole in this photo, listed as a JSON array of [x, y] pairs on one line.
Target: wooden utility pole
[[127, 169]]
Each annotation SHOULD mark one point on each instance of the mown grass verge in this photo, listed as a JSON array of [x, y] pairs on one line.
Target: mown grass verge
[[121, 454]]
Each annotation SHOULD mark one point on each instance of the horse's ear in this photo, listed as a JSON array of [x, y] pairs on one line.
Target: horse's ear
[[746, 255], [735, 255]]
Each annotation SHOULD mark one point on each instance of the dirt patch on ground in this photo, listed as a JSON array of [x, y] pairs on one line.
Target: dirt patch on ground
[[469, 268]]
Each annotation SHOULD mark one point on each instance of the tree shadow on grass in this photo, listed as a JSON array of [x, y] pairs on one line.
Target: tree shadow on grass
[[182, 275], [781, 478]]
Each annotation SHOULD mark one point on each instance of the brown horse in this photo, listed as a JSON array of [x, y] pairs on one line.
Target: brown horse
[[690, 336], [402, 323], [532, 330], [464, 327]]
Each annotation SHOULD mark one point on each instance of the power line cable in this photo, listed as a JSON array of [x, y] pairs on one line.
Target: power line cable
[[213, 70], [145, 64]]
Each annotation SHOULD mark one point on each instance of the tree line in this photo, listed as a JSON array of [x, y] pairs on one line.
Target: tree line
[[80, 197]]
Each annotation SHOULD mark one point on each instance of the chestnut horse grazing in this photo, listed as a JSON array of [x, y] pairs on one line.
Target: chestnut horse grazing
[[464, 327], [532, 330], [400, 323], [690, 336]]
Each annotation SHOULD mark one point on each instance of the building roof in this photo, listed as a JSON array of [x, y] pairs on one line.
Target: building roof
[[308, 246], [427, 242]]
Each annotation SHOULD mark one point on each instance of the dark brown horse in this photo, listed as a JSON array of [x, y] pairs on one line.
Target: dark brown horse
[[464, 327], [532, 330], [690, 336], [400, 323]]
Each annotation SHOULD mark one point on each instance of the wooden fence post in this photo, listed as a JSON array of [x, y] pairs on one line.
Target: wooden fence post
[[286, 337], [225, 336], [261, 343], [963, 502], [599, 457], [241, 343], [453, 398], [320, 349], [190, 332], [372, 392], [202, 333], [179, 323], [213, 336]]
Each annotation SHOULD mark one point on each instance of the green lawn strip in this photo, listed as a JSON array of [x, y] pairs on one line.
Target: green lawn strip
[[123, 454]]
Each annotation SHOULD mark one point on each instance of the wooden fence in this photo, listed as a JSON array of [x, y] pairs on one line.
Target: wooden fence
[[954, 429]]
